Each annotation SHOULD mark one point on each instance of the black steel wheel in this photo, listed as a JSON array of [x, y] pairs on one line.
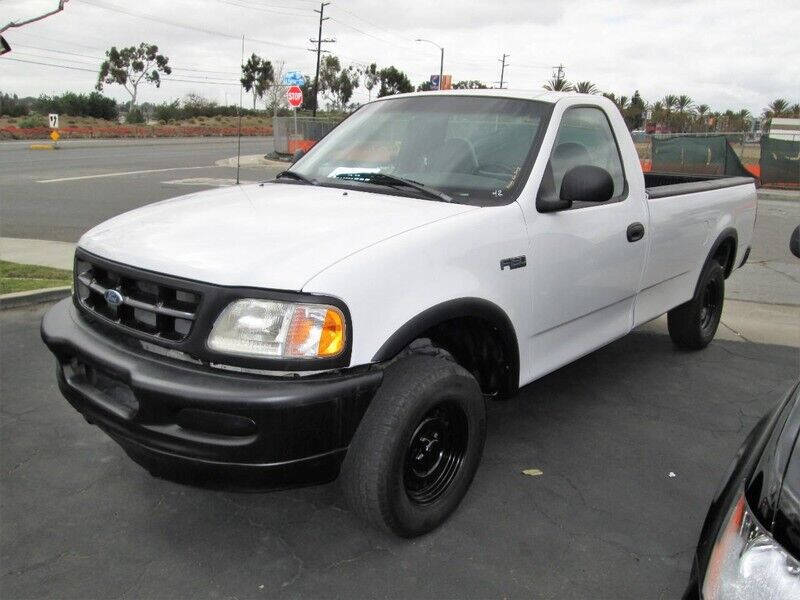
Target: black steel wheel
[[418, 446], [435, 453], [694, 324]]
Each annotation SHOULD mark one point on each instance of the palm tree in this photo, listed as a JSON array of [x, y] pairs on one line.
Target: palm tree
[[670, 101], [743, 119], [701, 110], [558, 84], [776, 108], [794, 109], [585, 87], [684, 104]]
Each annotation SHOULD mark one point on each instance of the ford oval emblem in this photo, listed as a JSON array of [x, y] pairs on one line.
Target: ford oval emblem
[[113, 298]]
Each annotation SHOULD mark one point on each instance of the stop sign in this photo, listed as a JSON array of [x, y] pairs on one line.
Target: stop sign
[[294, 95]]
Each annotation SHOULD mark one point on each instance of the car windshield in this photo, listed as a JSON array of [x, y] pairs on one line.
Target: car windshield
[[474, 149]]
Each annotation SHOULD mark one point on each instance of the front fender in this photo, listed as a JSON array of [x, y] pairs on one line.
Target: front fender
[[394, 287]]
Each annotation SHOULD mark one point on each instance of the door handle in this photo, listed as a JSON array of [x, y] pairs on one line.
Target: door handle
[[635, 232]]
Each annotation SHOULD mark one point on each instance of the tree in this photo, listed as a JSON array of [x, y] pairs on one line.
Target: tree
[[371, 78], [425, 86], [275, 93], [471, 84], [635, 113], [701, 110], [57, 9], [258, 76], [742, 120], [585, 87], [684, 103], [558, 84], [338, 83], [794, 110], [777, 108], [131, 66], [393, 81], [308, 93]]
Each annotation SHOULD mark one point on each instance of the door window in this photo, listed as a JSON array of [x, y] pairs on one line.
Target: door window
[[584, 138]]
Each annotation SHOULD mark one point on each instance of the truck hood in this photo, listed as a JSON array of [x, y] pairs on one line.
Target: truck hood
[[268, 236]]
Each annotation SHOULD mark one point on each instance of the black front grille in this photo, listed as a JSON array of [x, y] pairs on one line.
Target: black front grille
[[144, 303]]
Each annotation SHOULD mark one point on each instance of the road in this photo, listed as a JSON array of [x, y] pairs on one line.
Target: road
[[35, 206]]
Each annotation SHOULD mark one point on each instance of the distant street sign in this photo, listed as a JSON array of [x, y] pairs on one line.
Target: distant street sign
[[293, 78], [54, 135], [53, 120], [294, 96], [435, 82]]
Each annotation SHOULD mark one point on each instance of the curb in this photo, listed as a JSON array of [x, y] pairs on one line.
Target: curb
[[33, 297], [779, 195]]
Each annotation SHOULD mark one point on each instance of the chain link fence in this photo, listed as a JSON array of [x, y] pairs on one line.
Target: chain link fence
[[773, 159], [299, 133]]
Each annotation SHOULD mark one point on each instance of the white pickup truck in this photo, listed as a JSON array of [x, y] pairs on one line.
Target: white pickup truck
[[354, 314]]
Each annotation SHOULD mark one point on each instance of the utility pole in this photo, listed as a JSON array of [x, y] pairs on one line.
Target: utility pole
[[559, 71], [319, 41], [503, 66]]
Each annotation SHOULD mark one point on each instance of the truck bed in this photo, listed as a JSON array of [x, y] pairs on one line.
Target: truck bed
[[661, 185]]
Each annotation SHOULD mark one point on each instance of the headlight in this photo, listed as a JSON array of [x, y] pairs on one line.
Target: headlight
[[268, 328], [746, 563]]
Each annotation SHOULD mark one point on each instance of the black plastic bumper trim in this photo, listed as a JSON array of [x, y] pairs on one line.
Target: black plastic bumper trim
[[136, 398]]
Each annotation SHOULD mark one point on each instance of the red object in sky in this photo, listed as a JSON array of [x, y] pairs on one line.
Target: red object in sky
[[294, 95]]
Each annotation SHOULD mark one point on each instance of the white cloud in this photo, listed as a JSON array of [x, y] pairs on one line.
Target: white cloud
[[727, 54]]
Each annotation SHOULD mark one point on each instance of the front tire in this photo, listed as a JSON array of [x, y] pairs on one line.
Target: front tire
[[693, 325], [418, 446]]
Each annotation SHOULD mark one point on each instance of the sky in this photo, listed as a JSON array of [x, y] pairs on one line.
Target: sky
[[727, 54]]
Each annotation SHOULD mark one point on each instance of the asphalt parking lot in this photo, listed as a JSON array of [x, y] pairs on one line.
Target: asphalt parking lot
[[632, 441], [604, 520]]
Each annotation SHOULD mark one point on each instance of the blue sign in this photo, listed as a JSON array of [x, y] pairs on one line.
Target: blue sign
[[435, 82], [293, 78]]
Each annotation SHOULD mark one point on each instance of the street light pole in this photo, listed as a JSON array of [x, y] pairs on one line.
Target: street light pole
[[441, 60]]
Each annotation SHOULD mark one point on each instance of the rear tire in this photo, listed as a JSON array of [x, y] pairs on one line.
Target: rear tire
[[694, 324], [418, 446]]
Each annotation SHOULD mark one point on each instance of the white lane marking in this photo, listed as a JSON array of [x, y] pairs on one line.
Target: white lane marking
[[120, 174]]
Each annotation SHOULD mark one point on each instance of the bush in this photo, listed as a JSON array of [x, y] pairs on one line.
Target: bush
[[78, 105], [134, 116], [168, 111], [31, 121], [13, 106]]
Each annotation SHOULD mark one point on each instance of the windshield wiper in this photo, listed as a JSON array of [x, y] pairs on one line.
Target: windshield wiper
[[296, 176], [394, 181]]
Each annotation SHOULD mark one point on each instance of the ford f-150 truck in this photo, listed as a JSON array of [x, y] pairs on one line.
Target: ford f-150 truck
[[353, 315]]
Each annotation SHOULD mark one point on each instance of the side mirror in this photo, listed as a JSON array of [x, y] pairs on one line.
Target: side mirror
[[298, 154], [794, 242], [587, 183]]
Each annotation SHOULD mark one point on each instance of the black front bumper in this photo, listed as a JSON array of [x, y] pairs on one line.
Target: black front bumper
[[200, 425]]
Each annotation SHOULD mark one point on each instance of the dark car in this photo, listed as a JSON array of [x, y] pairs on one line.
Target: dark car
[[750, 543]]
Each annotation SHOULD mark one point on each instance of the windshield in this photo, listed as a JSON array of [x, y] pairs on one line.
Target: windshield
[[477, 150]]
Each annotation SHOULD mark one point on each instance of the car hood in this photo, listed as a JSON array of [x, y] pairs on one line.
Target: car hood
[[272, 235]]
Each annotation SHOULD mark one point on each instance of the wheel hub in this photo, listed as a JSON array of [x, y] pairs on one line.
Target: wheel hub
[[709, 305], [435, 453]]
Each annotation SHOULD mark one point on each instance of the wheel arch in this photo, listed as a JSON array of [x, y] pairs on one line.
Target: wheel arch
[[724, 250], [448, 321]]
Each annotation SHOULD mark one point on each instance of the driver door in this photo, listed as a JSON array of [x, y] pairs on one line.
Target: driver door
[[586, 272]]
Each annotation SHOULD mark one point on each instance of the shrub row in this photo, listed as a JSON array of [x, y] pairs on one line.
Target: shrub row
[[125, 131]]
